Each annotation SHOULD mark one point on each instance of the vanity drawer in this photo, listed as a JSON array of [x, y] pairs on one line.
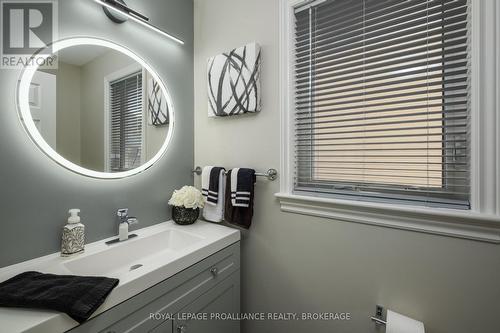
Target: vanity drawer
[[223, 298], [167, 297]]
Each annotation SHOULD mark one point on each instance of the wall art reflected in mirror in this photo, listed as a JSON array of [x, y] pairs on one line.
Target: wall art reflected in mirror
[[102, 112]]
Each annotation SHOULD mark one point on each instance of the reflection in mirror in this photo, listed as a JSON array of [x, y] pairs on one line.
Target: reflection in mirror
[[100, 109]]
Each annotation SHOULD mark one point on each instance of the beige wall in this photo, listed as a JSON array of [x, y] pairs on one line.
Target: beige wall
[[80, 111], [92, 119], [93, 74], [68, 112], [68, 143], [295, 263], [155, 137]]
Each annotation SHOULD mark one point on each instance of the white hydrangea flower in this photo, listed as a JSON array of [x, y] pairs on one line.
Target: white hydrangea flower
[[187, 196]]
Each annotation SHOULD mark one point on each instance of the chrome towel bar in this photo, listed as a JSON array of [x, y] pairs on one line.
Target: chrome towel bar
[[271, 174]]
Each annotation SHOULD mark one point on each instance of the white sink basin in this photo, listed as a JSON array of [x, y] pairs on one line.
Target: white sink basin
[[120, 258], [157, 253]]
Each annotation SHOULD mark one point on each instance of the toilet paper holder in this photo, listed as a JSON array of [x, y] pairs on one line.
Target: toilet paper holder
[[379, 310], [395, 322], [378, 321]]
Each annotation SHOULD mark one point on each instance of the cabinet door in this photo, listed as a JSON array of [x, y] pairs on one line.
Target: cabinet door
[[222, 299], [168, 297], [166, 327]]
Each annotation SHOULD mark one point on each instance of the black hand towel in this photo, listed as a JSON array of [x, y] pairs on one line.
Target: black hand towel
[[238, 215], [77, 296], [242, 180]]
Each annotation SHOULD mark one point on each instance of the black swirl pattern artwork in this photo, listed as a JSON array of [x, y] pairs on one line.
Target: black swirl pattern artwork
[[234, 82], [157, 104]]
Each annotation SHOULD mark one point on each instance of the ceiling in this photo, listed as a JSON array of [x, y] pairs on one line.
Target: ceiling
[[80, 55]]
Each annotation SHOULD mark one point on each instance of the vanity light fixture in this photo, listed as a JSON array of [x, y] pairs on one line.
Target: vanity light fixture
[[121, 9]]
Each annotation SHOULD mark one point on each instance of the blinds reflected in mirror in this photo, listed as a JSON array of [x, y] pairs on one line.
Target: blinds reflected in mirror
[[126, 107], [382, 101]]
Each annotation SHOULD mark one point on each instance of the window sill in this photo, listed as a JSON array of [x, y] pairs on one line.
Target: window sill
[[446, 222]]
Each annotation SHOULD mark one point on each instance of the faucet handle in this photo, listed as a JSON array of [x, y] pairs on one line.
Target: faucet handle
[[122, 212], [132, 220]]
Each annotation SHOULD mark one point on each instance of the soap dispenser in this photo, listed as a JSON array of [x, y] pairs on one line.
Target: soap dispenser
[[73, 235]]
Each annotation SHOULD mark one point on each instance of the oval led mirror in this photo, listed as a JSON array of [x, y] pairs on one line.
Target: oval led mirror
[[102, 111]]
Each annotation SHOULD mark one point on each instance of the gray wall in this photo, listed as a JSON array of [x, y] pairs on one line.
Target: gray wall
[[294, 263], [35, 192]]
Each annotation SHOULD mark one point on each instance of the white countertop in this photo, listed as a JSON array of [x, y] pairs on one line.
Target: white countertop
[[211, 238]]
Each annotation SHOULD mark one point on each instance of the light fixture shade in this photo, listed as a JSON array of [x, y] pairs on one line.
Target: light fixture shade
[[114, 15], [120, 8]]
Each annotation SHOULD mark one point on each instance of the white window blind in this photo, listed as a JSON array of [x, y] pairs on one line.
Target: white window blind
[[126, 112], [382, 101]]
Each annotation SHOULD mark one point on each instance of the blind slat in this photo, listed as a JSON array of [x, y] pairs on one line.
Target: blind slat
[[386, 36], [398, 21], [419, 72]]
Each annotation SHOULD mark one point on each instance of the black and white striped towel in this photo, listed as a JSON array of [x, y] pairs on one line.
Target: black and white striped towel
[[242, 181], [210, 184]]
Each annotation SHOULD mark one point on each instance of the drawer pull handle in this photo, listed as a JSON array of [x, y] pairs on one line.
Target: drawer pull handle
[[214, 271], [181, 329]]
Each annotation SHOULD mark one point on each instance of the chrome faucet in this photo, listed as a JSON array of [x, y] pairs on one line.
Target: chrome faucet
[[122, 214], [123, 222]]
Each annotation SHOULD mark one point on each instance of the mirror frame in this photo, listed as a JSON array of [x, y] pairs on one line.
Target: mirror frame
[[24, 110]]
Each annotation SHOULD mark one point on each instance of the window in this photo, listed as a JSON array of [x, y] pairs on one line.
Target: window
[[382, 101], [126, 113]]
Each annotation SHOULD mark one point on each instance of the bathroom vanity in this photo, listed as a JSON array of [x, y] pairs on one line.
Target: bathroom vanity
[[172, 279]]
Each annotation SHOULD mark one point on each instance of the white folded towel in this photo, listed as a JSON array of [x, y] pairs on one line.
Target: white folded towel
[[205, 183], [215, 213]]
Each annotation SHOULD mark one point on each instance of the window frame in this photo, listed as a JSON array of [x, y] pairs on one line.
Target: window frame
[[482, 221], [108, 79]]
